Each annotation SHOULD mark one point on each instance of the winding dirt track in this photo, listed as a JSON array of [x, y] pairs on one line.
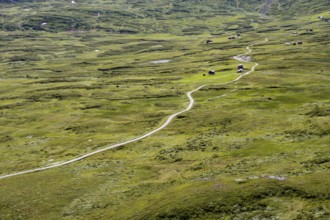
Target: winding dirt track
[[167, 122]]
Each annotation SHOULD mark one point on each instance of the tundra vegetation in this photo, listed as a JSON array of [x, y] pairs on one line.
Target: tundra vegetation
[[78, 76]]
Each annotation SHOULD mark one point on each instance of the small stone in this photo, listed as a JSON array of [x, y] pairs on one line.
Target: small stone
[[239, 180]]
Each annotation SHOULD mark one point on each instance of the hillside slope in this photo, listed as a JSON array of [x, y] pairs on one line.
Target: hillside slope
[[78, 77], [141, 16]]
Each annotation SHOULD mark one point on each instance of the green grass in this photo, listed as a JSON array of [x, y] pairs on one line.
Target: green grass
[[64, 94]]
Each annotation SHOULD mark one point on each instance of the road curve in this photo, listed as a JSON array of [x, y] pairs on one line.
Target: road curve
[[167, 122]]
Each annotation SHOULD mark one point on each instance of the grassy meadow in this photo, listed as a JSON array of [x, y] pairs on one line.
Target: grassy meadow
[[257, 148]]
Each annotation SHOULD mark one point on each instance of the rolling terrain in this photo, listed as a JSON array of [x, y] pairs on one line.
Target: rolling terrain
[[77, 77]]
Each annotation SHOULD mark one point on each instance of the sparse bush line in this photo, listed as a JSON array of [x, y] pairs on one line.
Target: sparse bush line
[[167, 122]]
